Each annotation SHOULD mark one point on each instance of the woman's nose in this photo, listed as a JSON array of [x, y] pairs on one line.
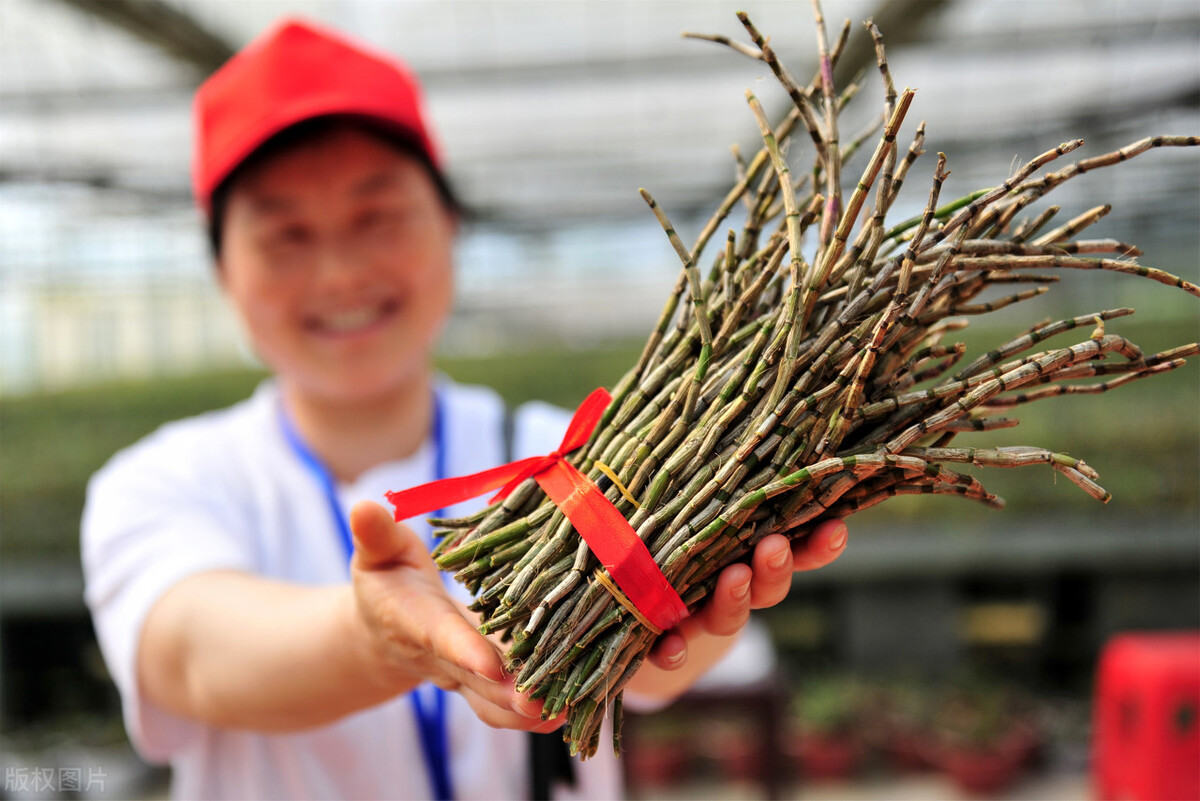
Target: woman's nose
[[339, 266]]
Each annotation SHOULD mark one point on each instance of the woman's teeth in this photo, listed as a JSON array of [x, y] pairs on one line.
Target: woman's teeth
[[352, 320]]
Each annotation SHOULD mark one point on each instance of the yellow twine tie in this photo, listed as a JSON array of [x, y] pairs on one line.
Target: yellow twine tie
[[607, 583], [612, 474]]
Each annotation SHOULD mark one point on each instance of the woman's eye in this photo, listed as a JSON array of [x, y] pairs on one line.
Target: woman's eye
[[384, 220], [291, 236], [377, 220], [372, 220]]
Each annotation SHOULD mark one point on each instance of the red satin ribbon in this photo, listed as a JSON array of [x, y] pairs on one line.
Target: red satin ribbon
[[606, 531]]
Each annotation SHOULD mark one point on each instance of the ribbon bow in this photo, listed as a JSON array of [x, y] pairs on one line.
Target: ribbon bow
[[606, 531]]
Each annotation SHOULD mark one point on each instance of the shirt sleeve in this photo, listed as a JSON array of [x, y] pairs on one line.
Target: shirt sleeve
[[151, 519]]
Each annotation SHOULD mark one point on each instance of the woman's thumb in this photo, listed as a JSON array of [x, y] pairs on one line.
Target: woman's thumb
[[380, 543]]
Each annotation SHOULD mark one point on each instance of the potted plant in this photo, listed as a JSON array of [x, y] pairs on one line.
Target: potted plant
[[734, 749], [983, 740], [660, 754], [827, 714], [905, 733]]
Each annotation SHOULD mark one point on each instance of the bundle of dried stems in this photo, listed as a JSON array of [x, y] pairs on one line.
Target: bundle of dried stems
[[778, 389]]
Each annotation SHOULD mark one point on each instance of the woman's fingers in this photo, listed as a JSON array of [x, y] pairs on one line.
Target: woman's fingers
[[434, 641], [500, 716], [437, 626], [763, 583], [728, 608], [670, 652], [381, 543], [772, 563], [826, 543], [725, 613], [495, 689]]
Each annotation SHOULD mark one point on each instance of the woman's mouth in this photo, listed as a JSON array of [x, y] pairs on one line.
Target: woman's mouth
[[352, 320]]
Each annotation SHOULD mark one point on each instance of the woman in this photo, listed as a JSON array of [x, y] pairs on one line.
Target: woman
[[216, 550]]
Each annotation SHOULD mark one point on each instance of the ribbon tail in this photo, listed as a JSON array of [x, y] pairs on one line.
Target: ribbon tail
[[584, 421], [511, 485], [449, 491], [615, 543]]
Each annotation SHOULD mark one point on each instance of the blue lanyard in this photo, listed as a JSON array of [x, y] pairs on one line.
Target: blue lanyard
[[431, 722]]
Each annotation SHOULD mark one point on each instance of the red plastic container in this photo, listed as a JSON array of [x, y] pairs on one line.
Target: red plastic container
[[1146, 738]]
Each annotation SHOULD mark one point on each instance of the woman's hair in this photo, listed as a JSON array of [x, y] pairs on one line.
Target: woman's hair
[[307, 131]]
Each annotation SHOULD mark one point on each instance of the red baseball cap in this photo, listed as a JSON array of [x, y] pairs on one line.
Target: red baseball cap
[[292, 73]]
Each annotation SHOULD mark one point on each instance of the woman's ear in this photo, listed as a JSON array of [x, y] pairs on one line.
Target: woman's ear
[[222, 273]]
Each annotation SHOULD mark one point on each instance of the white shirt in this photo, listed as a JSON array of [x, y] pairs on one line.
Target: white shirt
[[224, 490]]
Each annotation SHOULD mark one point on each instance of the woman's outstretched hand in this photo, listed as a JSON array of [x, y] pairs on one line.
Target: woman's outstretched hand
[[740, 588], [417, 632]]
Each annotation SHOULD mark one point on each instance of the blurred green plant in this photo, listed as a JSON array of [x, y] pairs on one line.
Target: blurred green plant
[[975, 715], [899, 704], [50, 443], [830, 706]]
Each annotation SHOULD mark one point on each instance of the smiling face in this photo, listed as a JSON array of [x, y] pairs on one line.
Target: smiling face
[[337, 255]]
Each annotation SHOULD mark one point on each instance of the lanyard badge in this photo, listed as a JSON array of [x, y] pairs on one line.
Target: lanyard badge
[[429, 702]]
